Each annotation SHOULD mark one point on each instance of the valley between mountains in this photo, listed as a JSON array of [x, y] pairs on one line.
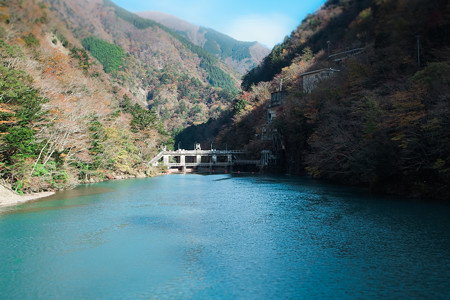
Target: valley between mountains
[[358, 94]]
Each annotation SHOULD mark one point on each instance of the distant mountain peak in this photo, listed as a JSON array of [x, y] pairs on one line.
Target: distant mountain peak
[[166, 19], [242, 56]]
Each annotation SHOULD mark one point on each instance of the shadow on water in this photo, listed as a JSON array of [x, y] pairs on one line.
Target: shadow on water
[[80, 191], [221, 179]]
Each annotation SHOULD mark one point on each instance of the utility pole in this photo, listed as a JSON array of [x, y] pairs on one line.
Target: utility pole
[[281, 85], [418, 50]]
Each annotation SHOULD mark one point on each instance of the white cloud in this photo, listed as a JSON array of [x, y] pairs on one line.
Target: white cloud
[[266, 29]]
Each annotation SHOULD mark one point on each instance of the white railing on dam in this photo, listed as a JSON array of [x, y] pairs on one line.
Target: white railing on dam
[[203, 158]]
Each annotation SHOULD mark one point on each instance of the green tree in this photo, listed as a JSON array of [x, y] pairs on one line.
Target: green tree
[[112, 57]]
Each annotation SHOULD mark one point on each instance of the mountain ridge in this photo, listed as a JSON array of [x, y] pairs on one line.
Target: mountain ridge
[[91, 92], [365, 99], [240, 55], [160, 57]]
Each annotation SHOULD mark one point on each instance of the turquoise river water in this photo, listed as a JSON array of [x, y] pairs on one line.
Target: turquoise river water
[[223, 237]]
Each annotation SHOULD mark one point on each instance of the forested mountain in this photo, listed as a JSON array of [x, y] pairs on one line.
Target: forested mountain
[[365, 95], [242, 56], [89, 91], [366, 98], [180, 81]]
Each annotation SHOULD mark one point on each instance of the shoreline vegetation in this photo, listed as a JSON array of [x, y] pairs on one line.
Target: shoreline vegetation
[[10, 198]]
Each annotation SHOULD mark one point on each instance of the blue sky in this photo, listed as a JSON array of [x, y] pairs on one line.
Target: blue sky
[[264, 21]]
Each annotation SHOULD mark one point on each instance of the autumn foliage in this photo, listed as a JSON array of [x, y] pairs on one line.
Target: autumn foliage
[[382, 121], [61, 119]]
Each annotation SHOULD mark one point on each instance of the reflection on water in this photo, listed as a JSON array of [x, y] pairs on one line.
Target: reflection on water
[[225, 237], [81, 191], [61, 199]]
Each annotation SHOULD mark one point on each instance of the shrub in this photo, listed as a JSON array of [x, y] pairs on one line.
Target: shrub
[[31, 41]]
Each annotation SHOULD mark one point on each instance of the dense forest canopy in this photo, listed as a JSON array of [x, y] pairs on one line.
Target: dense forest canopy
[[63, 119], [112, 57], [380, 120], [225, 46]]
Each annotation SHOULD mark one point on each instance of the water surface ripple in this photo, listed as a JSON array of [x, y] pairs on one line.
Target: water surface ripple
[[203, 237]]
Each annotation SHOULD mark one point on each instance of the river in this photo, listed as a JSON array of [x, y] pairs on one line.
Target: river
[[224, 237]]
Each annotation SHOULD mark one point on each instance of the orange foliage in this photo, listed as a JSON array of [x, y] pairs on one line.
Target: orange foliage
[[8, 122], [4, 14], [57, 65], [56, 111], [409, 109], [5, 110], [20, 41], [36, 30]]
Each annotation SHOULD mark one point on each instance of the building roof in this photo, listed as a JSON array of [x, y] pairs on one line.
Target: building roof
[[319, 71]]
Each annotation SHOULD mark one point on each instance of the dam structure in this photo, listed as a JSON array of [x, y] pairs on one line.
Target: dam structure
[[213, 160]]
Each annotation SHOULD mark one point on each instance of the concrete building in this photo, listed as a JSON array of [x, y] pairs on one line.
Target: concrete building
[[310, 80], [276, 104]]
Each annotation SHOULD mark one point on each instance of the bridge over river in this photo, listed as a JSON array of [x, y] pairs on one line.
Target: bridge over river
[[208, 160]]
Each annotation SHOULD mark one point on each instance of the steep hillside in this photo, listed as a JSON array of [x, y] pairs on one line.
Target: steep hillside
[[77, 80], [63, 120], [242, 56], [189, 30], [179, 81], [366, 98]]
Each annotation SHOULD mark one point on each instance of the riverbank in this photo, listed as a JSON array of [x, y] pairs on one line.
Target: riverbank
[[10, 198]]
